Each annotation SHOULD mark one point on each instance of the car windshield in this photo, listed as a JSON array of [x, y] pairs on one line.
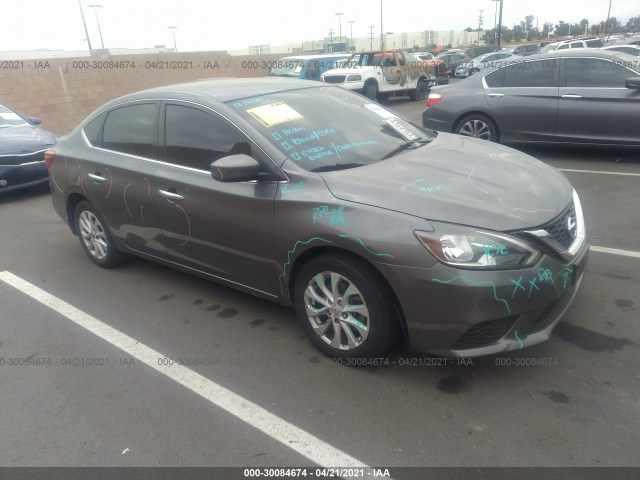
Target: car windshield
[[327, 127], [548, 48], [9, 118], [290, 67]]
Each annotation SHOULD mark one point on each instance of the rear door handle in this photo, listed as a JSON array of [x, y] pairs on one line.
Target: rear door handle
[[495, 94], [96, 177], [571, 95], [171, 195]]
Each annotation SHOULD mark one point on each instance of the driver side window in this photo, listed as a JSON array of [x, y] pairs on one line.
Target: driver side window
[[195, 138]]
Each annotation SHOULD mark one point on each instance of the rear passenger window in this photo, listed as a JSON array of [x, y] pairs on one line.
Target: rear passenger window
[[93, 129], [132, 129], [577, 45], [531, 74], [495, 79]]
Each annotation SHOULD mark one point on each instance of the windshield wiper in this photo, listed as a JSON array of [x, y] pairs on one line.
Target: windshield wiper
[[405, 146], [337, 166]]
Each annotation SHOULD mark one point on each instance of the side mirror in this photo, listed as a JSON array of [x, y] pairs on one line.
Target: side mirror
[[633, 82], [235, 168], [34, 120]]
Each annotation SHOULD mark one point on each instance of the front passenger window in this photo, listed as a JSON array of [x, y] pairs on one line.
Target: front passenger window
[[195, 138]]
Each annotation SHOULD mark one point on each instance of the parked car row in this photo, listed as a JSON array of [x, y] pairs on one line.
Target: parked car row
[[572, 96]]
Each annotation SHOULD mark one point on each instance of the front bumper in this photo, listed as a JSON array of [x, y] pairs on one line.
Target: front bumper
[[14, 177], [468, 313]]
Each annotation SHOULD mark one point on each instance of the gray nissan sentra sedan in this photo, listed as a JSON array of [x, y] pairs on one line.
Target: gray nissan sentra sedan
[[309, 195]]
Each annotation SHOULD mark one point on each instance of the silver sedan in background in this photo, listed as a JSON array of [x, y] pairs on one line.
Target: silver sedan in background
[[570, 96], [488, 60]]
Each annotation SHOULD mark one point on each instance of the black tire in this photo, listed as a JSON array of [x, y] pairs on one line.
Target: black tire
[[372, 319], [478, 126], [371, 90], [420, 92], [95, 238], [473, 70]]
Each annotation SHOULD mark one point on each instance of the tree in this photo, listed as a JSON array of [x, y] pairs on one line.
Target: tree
[[633, 24]]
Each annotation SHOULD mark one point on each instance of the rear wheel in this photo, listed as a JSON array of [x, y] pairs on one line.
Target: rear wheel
[[420, 93], [95, 238], [478, 126], [345, 308]]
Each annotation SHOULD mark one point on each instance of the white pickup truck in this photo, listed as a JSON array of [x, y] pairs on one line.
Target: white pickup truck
[[381, 74]]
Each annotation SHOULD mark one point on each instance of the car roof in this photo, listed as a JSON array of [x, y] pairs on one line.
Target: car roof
[[220, 89], [311, 57], [581, 52]]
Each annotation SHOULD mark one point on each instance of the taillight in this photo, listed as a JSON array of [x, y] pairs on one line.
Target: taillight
[[434, 98], [49, 157]]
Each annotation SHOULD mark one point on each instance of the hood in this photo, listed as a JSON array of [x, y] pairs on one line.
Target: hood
[[24, 139], [460, 180]]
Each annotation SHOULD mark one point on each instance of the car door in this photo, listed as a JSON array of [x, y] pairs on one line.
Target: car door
[[391, 72], [117, 174], [220, 228], [523, 98], [595, 106]]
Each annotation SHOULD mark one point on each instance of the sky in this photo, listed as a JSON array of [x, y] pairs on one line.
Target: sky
[[204, 25]]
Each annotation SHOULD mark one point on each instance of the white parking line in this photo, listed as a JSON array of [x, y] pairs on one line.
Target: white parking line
[[275, 427], [615, 251], [600, 172]]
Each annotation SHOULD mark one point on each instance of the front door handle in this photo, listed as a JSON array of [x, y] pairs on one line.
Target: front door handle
[[571, 95], [96, 177], [171, 195], [495, 94]]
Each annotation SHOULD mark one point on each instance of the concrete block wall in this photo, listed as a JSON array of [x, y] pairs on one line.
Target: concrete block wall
[[63, 91]]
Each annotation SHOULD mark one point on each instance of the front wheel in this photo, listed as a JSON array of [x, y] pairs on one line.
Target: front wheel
[[95, 238], [478, 126], [345, 307]]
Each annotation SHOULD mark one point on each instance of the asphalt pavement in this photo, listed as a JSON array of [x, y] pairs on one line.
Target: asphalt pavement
[[253, 391]]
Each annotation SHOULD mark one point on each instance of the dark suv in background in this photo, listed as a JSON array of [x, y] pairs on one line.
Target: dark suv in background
[[478, 50]]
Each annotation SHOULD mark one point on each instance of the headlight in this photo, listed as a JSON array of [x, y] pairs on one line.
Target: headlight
[[354, 78], [468, 248]]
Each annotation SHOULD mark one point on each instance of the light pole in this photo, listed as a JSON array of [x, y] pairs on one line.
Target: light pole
[[173, 32], [381, 29], [339, 14], [606, 29], [495, 23], [500, 25], [371, 27], [95, 7], [351, 47], [86, 32]]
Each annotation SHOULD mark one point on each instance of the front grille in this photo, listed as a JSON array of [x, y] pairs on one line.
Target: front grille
[[22, 179], [558, 230], [20, 159], [334, 78], [485, 333]]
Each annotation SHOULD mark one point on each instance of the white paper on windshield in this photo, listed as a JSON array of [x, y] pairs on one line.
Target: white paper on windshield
[[10, 116], [378, 110], [401, 129], [274, 113]]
